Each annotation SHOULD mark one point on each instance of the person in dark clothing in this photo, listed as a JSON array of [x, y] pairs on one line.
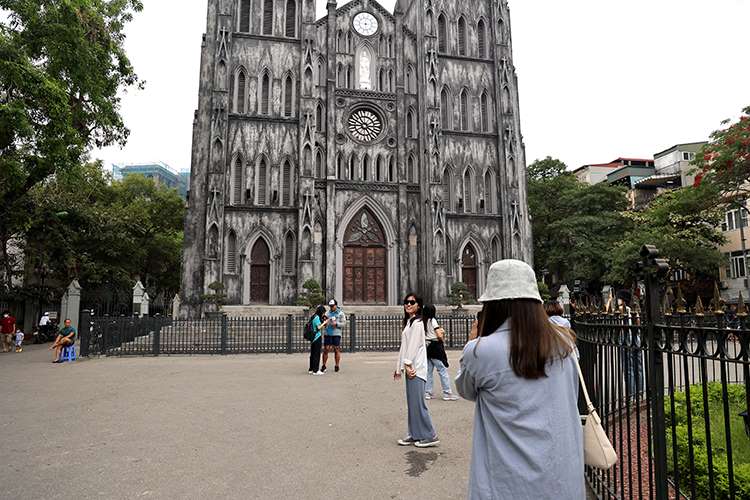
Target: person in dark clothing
[[436, 355], [319, 322]]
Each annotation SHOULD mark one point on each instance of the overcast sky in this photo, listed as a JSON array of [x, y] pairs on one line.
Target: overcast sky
[[598, 78]]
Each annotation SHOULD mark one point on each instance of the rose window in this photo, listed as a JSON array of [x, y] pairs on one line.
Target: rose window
[[365, 125]]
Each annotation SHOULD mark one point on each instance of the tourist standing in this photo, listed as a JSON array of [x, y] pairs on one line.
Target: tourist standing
[[332, 338], [319, 322], [528, 438], [412, 361], [437, 358], [7, 331]]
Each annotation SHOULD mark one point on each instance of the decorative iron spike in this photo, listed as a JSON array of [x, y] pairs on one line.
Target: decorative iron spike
[[716, 303], [699, 309], [741, 309], [680, 301]]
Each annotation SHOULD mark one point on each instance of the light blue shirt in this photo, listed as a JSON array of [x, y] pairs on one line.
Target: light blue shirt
[[528, 438], [340, 318]]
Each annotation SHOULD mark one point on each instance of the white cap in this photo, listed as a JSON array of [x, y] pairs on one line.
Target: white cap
[[510, 279]]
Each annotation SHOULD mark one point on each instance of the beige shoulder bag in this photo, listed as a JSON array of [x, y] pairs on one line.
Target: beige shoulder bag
[[597, 449]]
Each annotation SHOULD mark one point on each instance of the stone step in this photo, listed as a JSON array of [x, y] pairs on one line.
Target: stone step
[[254, 311]]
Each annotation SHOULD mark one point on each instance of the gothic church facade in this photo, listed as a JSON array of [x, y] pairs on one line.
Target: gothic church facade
[[372, 151]]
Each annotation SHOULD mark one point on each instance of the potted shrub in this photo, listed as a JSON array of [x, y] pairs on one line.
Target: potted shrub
[[212, 302], [311, 296], [460, 295]]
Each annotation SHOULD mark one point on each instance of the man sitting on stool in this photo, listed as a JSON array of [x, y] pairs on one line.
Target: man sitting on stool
[[65, 338]]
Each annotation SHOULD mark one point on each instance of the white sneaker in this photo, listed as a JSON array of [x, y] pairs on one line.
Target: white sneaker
[[309, 372], [427, 395], [450, 397], [319, 373]]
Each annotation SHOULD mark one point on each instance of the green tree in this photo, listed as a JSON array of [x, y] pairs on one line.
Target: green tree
[[312, 295], [683, 226], [62, 66], [575, 225]]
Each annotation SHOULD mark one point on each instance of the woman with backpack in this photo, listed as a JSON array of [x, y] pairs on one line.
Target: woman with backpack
[[528, 438], [319, 322], [412, 360], [436, 355]]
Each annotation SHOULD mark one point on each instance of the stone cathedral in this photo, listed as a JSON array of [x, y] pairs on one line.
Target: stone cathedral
[[376, 152]]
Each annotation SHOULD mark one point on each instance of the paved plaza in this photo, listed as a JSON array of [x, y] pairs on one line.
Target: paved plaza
[[220, 427]]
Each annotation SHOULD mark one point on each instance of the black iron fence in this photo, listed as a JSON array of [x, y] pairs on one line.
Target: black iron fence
[[160, 335], [673, 393]]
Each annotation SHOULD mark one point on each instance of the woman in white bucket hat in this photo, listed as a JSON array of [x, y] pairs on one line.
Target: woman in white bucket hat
[[528, 441]]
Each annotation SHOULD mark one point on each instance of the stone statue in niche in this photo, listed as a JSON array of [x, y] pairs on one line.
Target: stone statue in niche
[[213, 243]]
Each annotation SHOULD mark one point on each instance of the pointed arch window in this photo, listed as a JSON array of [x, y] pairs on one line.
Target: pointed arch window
[[349, 42], [442, 34], [429, 21], [447, 190], [341, 79], [485, 112], [488, 196], [482, 39], [265, 95], [352, 168], [461, 36], [390, 80], [391, 170], [319, 118], [244, 16], [322, 73], [340, 167], [410, 131], [467, 191], [289, 250], [291, 18], [381, 80], [232, 253], [495, 249], [340, 41], [240, 92], [412, 170], [366, 168], [237, 181], [261, 178], [349, 76], [286, 187], [288, 96], [320, 170], [464, 110], [379, 169], [408, 80], [268, 17], [445, 108]]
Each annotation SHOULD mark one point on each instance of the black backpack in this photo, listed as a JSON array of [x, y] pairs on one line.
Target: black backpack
[[309, 334]]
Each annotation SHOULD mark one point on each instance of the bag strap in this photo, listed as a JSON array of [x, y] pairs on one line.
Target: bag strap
[[589, 406]]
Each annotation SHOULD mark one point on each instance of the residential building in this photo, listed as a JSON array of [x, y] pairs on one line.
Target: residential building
[[599, 172], [673, 170], [160, 172], [734, 275], [373, 151]]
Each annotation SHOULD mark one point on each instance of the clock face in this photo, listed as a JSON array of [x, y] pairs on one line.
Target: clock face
[[365, 23]]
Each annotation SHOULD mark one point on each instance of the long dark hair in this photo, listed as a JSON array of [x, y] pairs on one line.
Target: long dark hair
[[534, 340], [420, 304], [320, 312], [428, 313]]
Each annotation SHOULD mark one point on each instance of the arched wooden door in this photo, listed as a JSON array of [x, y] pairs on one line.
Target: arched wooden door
[[260, 272], [469, 269], [365, 261]]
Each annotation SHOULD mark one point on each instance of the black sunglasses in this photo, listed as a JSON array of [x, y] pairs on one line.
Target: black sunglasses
[[410, 302]]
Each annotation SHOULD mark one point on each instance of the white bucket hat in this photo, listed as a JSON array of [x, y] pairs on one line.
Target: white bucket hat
[[510, 279]]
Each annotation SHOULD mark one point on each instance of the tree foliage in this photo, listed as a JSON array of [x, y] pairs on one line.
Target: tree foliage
[[62, 65], [574, 225], [725, 160], [105, 233]]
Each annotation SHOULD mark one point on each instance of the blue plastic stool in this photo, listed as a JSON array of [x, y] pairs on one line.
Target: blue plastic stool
[[68, 353]]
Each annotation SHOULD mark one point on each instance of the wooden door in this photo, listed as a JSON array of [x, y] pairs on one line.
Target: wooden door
[[260, 273], [469, 269], [365, 260]]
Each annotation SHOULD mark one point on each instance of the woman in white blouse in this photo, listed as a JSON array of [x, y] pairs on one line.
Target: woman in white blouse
[[412, 361]]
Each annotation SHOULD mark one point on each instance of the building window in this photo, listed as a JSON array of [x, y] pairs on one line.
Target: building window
[[237, 182], [442, 34], [412, 170], [268, 17], [288, 96], [260, 187], [391, 170], [289, 254], [736, 265], [462, 36], [319, 118], [481, 39], [488, 194], [241, 90], [485, 112], [291, 18], [352, 168], [322, 73], [320, 169], [244, 16], [445, 109], [467, 191], [410, 130], [286, 188], [232, 253], [464, 110], [688, 156], [733, 219], [265, 96]]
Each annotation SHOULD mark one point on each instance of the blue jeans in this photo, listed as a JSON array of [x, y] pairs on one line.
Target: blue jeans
[[445, 380]]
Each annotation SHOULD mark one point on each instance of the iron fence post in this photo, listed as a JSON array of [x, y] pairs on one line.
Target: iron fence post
[[289, 333], [224, 333], [105, 337], [85, 332], [653, 267], [157, 336], [353, 333]]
